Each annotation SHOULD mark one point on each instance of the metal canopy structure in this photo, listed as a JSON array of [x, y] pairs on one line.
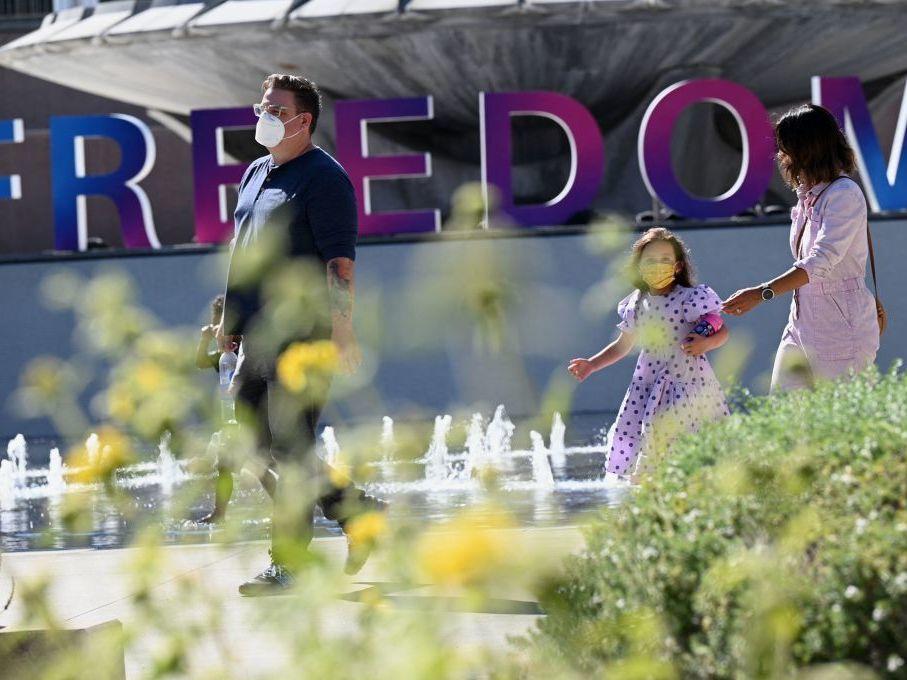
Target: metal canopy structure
[[611, 55]]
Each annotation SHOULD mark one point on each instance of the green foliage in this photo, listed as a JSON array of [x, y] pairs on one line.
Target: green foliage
[[773, 541]]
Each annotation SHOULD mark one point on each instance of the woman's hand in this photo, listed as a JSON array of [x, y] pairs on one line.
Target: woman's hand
[[581, 368], [742, 301]]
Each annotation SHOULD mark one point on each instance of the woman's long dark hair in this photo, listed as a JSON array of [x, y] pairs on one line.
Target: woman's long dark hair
[[685, 277], [812, 147]]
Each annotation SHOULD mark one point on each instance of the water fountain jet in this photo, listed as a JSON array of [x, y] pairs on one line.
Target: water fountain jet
[[56, 481], [7, 485], [498, 436], [17, 450], [388, 445], [331, 446], [556, 443], [436, 462], [167, 467], [541, 469]]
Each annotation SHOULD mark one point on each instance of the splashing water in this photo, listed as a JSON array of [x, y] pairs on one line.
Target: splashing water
[[7, 485], [93, 449], [541, 469], [487, 446], [388, 445], [167, 467], [452, 477], [17, 450], [215, 445], [475, 445], [436, 457], [331, 447], [498, 435], [56, 482], [556, 443]]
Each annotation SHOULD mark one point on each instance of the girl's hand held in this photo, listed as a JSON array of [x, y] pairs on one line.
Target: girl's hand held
[[695, 345]]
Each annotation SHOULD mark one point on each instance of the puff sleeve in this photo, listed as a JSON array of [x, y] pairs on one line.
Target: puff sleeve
[[700, 300], [626, 310]]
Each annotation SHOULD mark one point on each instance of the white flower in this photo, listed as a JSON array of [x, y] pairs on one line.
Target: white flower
[[649, 552], [894, 663], [900, 581], [852, 593], [879, 614], [861, 524], [621, 603], [692, 515], [846, 477]]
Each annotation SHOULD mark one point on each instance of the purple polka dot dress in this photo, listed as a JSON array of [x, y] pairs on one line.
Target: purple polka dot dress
[[671, 393]]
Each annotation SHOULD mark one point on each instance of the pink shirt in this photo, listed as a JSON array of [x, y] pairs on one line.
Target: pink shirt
[[833, 317], [834, 247]]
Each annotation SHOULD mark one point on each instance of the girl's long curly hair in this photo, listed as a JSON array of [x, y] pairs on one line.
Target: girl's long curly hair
[[685, 277]]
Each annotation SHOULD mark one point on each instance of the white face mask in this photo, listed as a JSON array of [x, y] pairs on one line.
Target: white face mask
[[270, 130]]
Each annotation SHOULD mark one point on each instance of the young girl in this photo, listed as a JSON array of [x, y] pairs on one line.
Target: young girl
[[674, 389], [208, 358]]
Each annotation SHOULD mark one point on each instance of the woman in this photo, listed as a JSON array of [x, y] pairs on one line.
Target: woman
[[833, 326]]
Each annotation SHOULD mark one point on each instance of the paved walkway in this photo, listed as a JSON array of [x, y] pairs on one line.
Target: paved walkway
[[88, 587]]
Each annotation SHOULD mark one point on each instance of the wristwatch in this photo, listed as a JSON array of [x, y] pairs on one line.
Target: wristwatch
[[767, 292]]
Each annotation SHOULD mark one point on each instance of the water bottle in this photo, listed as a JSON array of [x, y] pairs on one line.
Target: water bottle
[[704, 328], [226, 369], [708, 324]]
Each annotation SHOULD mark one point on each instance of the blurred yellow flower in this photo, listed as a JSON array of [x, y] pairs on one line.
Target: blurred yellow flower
[[302, 360], [653, 334], [366, 528], [731, 478], [372, 597], [120, 402], [115, 451], [149, 376], [44, 378], [290, 376], [339, 474], [465, 552]]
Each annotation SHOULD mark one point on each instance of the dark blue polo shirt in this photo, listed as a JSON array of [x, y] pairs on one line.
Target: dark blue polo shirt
[[308, 202]]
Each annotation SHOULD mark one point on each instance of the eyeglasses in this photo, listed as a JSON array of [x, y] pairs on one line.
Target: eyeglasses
[[273, 109]]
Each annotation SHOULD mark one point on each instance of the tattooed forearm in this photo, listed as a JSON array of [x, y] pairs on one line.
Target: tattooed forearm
[[340, 287]]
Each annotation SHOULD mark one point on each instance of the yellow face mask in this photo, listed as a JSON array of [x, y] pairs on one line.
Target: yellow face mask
[[657, 275]]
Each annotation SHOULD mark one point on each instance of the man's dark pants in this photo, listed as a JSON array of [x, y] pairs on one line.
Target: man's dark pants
[[286, 432]]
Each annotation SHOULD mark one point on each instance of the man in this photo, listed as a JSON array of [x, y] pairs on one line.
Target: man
[[296, 207]]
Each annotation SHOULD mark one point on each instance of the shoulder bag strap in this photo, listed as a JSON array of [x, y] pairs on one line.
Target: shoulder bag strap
[[872, 262]]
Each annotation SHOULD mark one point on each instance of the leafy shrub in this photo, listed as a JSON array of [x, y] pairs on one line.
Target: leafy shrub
[[772, 543]]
